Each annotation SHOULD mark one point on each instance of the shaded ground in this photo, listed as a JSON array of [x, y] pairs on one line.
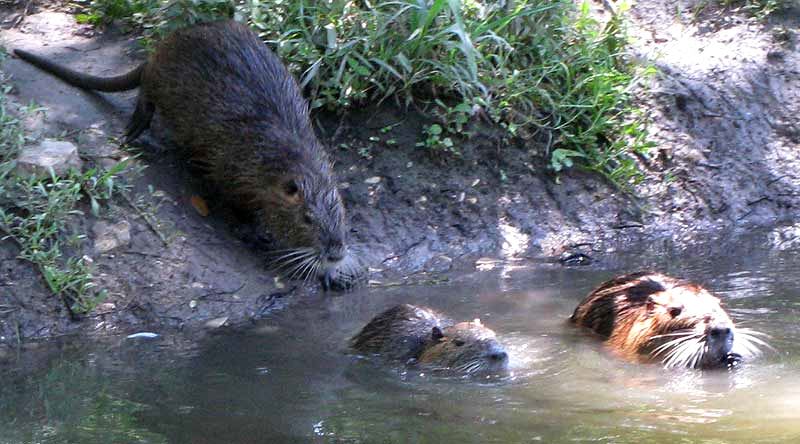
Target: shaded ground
[[724, 111]]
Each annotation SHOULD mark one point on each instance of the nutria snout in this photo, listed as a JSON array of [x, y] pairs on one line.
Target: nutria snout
[[421, 337], [238, 112], [663, 318]]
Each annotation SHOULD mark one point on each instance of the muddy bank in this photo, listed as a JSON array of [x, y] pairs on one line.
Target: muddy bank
[[724, 120]]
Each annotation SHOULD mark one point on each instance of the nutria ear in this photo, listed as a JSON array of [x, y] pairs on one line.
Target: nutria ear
[[436, 333]]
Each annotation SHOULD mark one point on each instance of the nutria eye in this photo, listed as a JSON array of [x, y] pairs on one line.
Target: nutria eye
[[308, 220], [458, 342], [675, 311], [291, 187]]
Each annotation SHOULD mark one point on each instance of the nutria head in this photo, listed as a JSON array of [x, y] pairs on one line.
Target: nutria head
[[301, 210], [465, 348], [678, 322]]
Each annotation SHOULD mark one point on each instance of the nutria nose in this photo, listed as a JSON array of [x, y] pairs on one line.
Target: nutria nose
[[334, 251], [498, 356], [721, 331]]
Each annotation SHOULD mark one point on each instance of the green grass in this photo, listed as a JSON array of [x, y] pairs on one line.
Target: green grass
[[541, 70], [39, 214]]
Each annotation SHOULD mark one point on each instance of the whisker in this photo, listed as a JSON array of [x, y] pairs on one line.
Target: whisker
[[673, 343], [307, 267], [289, 252], [314, 270], [750, 340], [282, 264], [290, 257], [688, 332], [301, 266], [683, 353], [751, 332]]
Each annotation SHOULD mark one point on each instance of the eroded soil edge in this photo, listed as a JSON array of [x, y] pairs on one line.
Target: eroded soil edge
[[724, 112]]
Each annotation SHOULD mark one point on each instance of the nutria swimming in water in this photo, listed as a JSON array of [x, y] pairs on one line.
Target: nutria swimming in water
[[658, 316], [233, 105], [419, 336]]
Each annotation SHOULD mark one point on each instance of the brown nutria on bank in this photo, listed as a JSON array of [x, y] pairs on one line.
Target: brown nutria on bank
[[660, 317], [419, 336], [231, 103]]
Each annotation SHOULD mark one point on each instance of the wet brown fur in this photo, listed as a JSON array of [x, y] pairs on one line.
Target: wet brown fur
[[420, 336], [631, 310], [240, 114]]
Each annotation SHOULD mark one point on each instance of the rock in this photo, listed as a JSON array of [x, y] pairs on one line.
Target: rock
[[143, 335], [33, 125], [216, 323], [105, 307], [108, 236], [38, 159]]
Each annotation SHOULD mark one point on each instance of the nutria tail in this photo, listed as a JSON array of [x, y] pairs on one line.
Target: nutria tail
[[122, 82]]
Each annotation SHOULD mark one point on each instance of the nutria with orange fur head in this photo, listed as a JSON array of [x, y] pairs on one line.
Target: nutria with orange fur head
[[419, 336], [677, 322]]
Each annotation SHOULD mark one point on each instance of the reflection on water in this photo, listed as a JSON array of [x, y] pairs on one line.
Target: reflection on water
[[291, 380]]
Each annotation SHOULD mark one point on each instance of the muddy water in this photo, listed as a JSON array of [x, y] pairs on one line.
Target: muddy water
[[289, 380]]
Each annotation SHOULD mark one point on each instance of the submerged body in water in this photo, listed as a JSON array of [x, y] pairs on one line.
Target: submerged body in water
[[679, 323], [419, 336]]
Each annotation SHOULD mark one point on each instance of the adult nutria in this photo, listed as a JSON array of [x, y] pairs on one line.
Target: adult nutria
[[661, 317], [233, 105], [419, 336]]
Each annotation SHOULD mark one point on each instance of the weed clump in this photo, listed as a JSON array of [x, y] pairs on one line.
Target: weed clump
[[37, 213]]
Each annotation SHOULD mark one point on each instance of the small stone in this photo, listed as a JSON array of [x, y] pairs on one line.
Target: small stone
[[108, 236], [33, 124], [439, 264], [472, 200], [143, 335], [694, 155], [105, 307], [38, 159], [192, 304], [217, 322], [372, 180]]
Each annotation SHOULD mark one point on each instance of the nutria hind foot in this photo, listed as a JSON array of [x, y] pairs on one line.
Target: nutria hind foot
[[140, 120]]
